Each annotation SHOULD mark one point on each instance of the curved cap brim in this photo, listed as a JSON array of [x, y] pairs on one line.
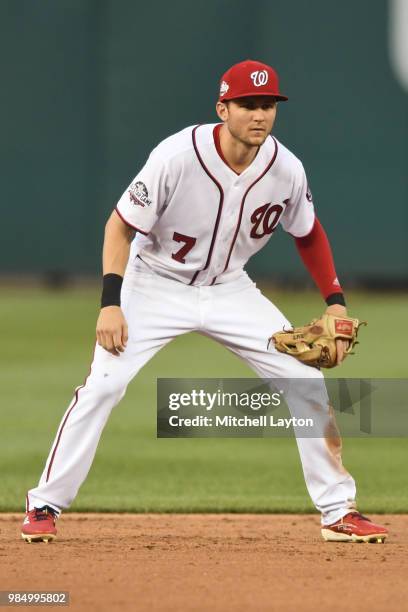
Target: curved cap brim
[[278, 97]]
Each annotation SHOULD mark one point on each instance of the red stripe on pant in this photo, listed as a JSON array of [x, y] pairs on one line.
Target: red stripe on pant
[[67, 415]]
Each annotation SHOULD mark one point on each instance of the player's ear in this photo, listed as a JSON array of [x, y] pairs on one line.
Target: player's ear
[[222, 110]]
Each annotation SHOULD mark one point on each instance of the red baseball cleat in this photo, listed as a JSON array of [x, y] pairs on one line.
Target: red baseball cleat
[[354, 527], [39, 524]]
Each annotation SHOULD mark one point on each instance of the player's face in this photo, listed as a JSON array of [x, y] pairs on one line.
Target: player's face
[[249, 120]]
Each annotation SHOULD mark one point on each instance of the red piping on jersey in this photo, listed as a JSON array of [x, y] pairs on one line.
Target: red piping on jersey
[[194, 277], [217, 222], [66, 418], [243, 202], [129, 224]]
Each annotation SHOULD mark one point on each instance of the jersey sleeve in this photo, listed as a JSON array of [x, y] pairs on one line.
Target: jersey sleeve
[[142, 202], [299, 215]]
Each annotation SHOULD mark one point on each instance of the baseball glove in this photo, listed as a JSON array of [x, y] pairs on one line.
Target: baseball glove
[[315, 344]]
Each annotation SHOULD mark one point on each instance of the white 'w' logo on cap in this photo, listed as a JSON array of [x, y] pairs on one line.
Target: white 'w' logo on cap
[[259, 77]]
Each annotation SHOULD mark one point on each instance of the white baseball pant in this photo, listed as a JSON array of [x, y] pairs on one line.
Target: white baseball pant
[[235, 314]]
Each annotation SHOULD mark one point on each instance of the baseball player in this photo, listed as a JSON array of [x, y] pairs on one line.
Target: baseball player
[[205, 201]]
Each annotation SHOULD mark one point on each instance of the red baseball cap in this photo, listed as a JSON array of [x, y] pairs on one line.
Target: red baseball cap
[[249, 78]]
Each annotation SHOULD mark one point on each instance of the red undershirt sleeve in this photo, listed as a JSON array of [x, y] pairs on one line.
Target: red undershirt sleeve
[[316, 254]]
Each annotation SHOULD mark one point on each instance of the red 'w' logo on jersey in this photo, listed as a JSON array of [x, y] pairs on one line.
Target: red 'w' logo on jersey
[[265, 219]]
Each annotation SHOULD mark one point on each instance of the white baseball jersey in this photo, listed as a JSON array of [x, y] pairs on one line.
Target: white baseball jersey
[[203, 220]]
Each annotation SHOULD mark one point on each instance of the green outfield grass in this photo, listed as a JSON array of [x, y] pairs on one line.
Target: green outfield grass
[[47, 344]]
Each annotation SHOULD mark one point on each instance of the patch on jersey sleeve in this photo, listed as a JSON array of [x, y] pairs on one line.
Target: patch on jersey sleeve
[[139, 195], [309, 194]]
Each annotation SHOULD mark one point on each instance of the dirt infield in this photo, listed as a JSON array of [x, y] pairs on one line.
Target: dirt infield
[[207, 562]]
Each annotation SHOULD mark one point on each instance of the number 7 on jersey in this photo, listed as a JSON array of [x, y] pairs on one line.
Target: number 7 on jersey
[[189, 242]]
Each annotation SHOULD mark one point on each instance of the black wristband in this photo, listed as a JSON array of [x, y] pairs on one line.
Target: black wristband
[[335, 298], [112, 284]]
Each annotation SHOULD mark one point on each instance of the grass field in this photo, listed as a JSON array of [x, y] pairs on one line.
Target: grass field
[[47, 346]]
